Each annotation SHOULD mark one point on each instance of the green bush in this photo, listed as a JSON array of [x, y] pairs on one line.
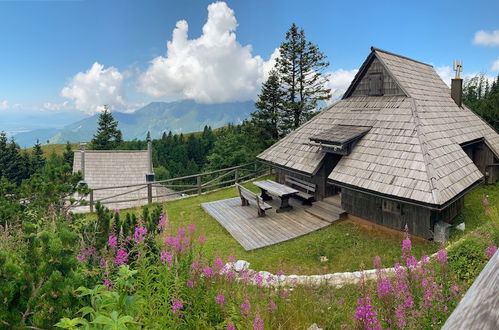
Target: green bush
[[467, 258]]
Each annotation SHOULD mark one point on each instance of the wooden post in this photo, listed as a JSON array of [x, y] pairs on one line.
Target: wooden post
[[91, 201], [198, 179], [236, 175], [149, 193]]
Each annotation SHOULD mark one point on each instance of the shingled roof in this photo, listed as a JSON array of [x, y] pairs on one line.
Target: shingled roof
[[412, 151]]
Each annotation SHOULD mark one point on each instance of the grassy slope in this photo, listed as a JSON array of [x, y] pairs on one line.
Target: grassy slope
[[347, 245], [58, 149]]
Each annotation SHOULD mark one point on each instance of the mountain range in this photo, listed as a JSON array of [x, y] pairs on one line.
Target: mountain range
[[156, 117]]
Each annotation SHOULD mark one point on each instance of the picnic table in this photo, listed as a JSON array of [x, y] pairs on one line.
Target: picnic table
[[276, 189]]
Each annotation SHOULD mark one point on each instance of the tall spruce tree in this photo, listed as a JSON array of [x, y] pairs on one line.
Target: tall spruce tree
[[108, 136], [300, 66], [37, 158], [68, 155], [270, 105]]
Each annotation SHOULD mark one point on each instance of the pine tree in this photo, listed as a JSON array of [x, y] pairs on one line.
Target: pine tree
[[68, 155], [300, 66], [270, 107], [108, 136], [37, 158]]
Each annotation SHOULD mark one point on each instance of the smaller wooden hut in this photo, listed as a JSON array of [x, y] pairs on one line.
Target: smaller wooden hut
[[399, 147]]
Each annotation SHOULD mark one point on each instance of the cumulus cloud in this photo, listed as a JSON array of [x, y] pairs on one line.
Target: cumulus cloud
[[57, 106], [92, 89], [447, 74], [495, 65], [213, 68], [486, 38], [4, 105], [339, 81]]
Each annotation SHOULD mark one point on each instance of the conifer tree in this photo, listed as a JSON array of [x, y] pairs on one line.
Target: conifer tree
[[300, 66], [270, 107], [37, 158], [68, 155], [108, 136]]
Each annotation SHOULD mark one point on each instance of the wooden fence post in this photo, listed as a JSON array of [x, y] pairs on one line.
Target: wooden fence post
[[236, 175], [149, 193], [198, 179], [91, 201]]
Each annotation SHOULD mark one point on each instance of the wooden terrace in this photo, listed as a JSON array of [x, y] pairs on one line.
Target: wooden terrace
[[254, 232]]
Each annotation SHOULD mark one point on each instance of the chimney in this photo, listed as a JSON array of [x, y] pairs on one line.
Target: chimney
[[456, 87]]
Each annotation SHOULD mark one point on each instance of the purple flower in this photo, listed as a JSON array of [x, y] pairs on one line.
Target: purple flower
[[271, 306], [384, 287], [245, 307], [220, 299], [85, 254], [201, 239], [208, 272], [231, 326], [191, 228], [121, 258], [176, 305], [139, 234], [112, 241], [280, 273], [163, 222], [107, 283], [491, 250], [167, 257], [442, 256], [487, 212], [190, 284], [231, 259], [366, 315], [258, 323], [377, 262], [485, 201], [406, 244], [218, 263]]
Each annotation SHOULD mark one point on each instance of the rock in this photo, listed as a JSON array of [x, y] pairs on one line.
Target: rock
[[314, 327], [461, 226], [241, 265]]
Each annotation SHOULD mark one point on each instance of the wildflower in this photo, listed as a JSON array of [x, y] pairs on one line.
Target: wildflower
[[108, 284], [454, 289], [167, 257], [112, 241], [442, 256], [102, 262], [366, 314], [220, 299], [192, 228], [163, 222], [270, 278], [384, 288], [245, 307], [85, 254], [218, 263], [271, 306], [324, 259], [116, 210], [201, 239], [190, 284], [121, 258], [176, 305], [231, 326], [280, 273], [411, 262], [485, 201], [172, 242], [377, 262], [258, 279], [258, 323], [139, 234], [491, 250], [208, 271], [231, 259], [487, 212]]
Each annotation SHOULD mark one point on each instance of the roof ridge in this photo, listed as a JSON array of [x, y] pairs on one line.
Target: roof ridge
[[430, 171], [401, 56]]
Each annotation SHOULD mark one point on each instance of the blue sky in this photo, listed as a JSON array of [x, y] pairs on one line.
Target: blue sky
[[77, 55]]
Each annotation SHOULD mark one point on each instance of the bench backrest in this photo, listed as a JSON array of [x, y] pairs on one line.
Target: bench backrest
[[308, 186], [249, 195]]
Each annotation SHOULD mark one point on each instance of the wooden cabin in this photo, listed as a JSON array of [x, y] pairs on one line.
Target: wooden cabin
[[397, 148]]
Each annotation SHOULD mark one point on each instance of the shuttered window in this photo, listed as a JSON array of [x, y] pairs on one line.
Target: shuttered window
[[375, 84]]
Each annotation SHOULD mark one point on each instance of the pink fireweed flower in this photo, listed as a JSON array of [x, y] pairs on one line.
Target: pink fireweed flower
[[121, 258], [454, 289], [487, 212], [271, 306], [280, 273], [190, 284], [245, 307], [231, 259], [411, 262], [258, 323], [116, 210], [377, 262], [167, 258], [163, 222], [366, 315], [442, 256], [112, 241], [220, 299], [172, 242], [176, 305], [139, 234], [201, 239], [491, 250], [218, 263], [231, 326], [270, 278], [102, 262], [208, 272], [485, 201], [85, 254], [258, 279], [108, 284], [191, 228], [385, 287]]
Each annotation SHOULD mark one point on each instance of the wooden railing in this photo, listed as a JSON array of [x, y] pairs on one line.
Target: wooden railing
[[195, 184]]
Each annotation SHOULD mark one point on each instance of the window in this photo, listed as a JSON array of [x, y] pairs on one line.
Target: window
[[392, 207], [375, 84]]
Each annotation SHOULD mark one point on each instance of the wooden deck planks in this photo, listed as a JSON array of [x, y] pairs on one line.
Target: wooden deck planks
[[254, 232]]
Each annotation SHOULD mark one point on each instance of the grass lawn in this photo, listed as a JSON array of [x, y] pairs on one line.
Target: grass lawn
[[348, 245], [58, 149]]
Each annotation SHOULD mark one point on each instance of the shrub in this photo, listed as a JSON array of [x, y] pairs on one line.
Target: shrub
[[467, 258]]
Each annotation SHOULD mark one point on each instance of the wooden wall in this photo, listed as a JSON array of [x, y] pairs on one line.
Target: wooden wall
[[397, 215], [390, 87], [483, 157]]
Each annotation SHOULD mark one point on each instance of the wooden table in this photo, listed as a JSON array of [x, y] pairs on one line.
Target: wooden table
[[276, 189]]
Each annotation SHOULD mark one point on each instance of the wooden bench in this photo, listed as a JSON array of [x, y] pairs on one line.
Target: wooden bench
[[247, 196], [307, 191]]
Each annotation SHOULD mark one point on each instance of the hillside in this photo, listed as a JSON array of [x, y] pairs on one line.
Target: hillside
[[156, 117]]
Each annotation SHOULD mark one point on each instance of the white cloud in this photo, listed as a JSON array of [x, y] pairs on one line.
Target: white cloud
[[4, 105], [57, 106], [486, 38], [213, 68], [97, 86], [447, 74], [495, 65], [339, 81]]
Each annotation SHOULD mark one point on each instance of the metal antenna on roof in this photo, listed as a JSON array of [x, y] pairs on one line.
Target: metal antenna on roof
[[458, 68]]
